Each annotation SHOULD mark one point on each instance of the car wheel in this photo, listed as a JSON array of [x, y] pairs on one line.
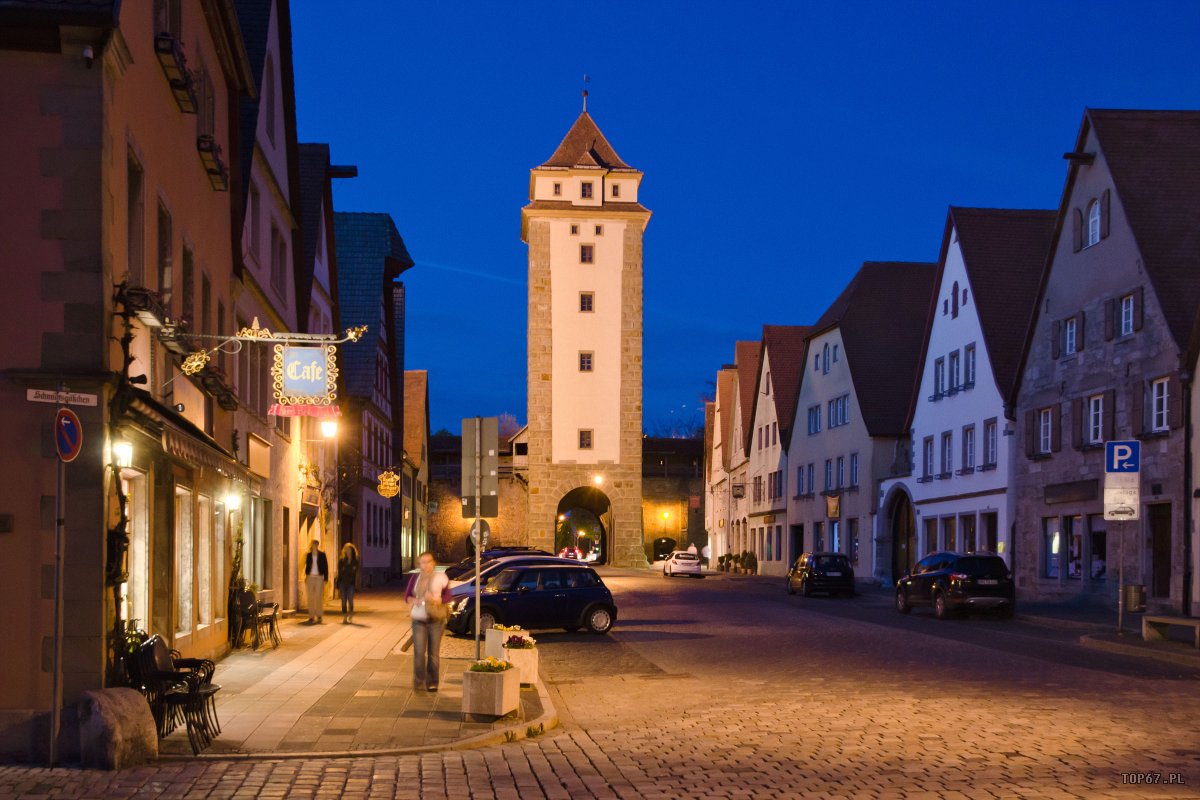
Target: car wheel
[[599, 620], [790, 589], [665, 573], [902, 604], [487, 619], [940, 609]]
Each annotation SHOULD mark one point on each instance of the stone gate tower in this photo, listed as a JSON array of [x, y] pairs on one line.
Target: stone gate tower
[[584, 229]]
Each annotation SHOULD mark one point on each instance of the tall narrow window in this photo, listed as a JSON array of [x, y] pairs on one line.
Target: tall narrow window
[[184, 552], [1069, 336], [1160, 421], [1093, 231], [947, 454], [204, 554], [1127, 315], [812, 479], [968, 447], [585, 440], [1095, 419], [955, 369], [165, 253], [135, 222], [587, 301], [585, 361], [990, 442], [204, 325], [187, 292], [841, 471], [939, 377], [828, 473], [587, 254], [1045, 430], [969, 366], [927, 458], [854, 469], [616, 190], [557, 189], [825, 359]]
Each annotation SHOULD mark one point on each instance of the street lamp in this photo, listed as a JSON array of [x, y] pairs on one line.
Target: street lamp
[[122, 453], [329, 428], [598, 480]]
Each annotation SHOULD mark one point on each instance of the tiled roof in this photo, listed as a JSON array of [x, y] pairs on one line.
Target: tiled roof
[[1154, 159], [254, 18], [786, 348], [313, 178], [63, 12], [725, 382], [710, 413], [746, 357], [882, 316], [567, 205], [585, 146], [416, 416], [370, 255], [1004, 252]]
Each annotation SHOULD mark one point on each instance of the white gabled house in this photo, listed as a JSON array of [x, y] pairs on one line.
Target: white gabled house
[[956, 496]]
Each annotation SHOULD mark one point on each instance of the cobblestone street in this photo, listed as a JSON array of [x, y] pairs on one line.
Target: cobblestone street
[[727, 688]]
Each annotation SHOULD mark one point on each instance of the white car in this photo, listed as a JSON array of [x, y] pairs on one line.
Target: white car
[[681, 562]]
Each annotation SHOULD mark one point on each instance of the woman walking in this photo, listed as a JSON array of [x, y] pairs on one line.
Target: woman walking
[[347, 579], [428, 593]]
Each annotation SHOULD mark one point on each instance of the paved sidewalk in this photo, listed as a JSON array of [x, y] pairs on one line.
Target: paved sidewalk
[[335, 688]]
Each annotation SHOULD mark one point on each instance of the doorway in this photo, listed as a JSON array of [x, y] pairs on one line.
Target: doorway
[[1159, 515], [584, 521], [904, 539]]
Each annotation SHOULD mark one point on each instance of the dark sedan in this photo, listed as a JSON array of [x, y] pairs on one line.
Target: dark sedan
[[539, 596], [821, 572], [951, 582], [468, 564]]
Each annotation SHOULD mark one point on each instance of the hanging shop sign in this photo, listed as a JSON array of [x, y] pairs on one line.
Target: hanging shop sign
[[833, 506], [389, 484], [305, 381]]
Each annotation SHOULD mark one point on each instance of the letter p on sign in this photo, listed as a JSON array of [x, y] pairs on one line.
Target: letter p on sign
[[1122, 456]]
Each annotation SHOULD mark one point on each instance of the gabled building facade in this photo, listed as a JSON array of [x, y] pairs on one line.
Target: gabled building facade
[[746, 355], [1106, 358], [956, 495], [851, 409], [717, 499], [414, 485]]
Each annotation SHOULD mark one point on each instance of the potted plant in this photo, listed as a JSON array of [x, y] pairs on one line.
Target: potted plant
[[735, 562], [491, 687], [750, 563], [521, 652], [493, 642]]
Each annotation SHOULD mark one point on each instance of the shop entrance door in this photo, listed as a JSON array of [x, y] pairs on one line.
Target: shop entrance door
[[1160, 549]]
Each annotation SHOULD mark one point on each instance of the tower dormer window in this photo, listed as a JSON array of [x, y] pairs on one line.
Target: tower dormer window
[[587, 254], [574, 230], [585, 361], [1093, 229], [585, 190], [557, 189], [599, 230], [616, 190]]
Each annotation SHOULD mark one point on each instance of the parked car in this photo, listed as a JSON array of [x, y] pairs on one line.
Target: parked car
[[821, 572], [534, 596], [681, 562], [952, 582], [468, 563], [466, 581]]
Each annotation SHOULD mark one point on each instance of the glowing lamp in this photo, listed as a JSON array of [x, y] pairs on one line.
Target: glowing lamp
[[233, 501], [329, 428], [123, 453]]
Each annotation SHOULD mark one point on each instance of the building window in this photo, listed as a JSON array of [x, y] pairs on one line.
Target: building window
[[557, 189], [1098, 541], [587, 254], [939, 377], [825, 359], [814, 420], [767, 381], [841, 471], [585, 440], [587, 301], [574, 230], [955, 365], [184, 550], [817, 362], [1073, 533], [1069, 336], [990, 442], [828, 474], [774, 433], [927, 458], [839, 411], [799, 481], [585, 361], [599, 230], [616, 190], [1093, 230], [167, 19], [947, 454], [968, 448], [1045, 430], [969, 366], [585, 190], [854, 469], [835, 353], [165, 253], [1159, 420], [1095, 419], [135, 221], [187, 290], [1127, 315], [812, 479]]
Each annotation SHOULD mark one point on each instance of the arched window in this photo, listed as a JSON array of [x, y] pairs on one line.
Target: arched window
[[1093, 229], [825, 359]]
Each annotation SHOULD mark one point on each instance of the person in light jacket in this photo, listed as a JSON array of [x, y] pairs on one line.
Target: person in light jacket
[[316, 573], [347, 578], [428, 593]]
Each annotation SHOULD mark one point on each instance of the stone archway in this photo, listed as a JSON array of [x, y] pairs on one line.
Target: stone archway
[[584, 519], [902, 526]]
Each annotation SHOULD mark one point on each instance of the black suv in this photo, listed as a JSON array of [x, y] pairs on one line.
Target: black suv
[[955, 581], [821, 572], [539, 596]]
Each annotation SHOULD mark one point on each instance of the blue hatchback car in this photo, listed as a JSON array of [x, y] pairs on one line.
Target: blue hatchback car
[[539, 596]]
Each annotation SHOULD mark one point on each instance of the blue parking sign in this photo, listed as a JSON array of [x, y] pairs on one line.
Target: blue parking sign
[[1123, 456]]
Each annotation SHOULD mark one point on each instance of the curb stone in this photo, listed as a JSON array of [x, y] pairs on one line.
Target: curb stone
[[1097, 642]]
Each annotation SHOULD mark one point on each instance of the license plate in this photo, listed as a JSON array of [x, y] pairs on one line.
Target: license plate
[[833, 574], [988, 581]]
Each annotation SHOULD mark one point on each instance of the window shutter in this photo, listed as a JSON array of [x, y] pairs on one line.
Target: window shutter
[[1104, 206], [1080, 324], [1110, 414], [1056, 340], [1056, 428], [1174, 403], [1139, 298], [1077, 423], [1076, 230], [1137, 408], [1030, 435], [1110, 319]]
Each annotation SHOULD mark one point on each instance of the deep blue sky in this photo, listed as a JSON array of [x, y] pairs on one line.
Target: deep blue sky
[[783, 144]]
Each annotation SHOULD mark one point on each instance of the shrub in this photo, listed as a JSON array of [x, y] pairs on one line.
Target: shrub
[[490, 664], [750, 561]]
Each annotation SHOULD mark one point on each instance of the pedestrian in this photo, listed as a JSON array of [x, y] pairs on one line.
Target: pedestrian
[[316, 572], [692, 548], [428, 593], [347, 579]]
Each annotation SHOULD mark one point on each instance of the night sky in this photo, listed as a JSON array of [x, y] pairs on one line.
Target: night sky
[[782, 144]]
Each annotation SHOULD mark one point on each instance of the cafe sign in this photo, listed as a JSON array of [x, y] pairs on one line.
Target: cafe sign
[[305, 380]]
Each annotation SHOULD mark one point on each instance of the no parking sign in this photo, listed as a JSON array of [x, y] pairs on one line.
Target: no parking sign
[[68, 435]]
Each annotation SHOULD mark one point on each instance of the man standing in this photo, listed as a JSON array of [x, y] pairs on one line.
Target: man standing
[[316, 572]]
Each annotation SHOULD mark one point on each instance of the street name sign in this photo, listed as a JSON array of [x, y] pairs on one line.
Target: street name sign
[[60, 398], [1122, 479]]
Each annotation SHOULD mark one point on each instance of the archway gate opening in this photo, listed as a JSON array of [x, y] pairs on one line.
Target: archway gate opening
[[584, 521]]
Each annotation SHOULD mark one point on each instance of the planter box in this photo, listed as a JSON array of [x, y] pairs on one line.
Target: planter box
[[525, 662], [491, 693], [493, 643]]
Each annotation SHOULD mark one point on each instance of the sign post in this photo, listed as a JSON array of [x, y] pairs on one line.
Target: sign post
[[1122, 499], [68, 442], [480, 464]]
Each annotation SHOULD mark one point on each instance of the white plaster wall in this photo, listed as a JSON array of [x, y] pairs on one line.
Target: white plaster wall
[[602, 182], [763, 461], [586, 400]]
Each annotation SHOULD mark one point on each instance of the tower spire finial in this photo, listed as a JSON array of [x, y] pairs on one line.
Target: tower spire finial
[[586, 81]]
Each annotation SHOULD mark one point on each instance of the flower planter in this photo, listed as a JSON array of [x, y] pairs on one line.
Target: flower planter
[[493, 642], [491, 693], [524, 661]]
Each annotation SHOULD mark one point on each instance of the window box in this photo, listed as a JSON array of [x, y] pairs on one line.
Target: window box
[[174, 65], [986, 467], [925, 479], [965, 471], [214, 165]]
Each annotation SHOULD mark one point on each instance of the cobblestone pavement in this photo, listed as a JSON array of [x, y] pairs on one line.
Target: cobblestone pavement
[[726, 688]]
